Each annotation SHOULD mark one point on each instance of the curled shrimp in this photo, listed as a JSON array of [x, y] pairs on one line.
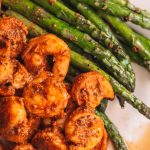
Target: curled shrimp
[[89, 88], [39, 48], [18, 78], [49, 139], [15, 31], [45, 96], [84, 129], [24, 147]]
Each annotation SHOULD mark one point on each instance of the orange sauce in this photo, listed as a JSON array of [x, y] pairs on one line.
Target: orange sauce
[[143, 143]]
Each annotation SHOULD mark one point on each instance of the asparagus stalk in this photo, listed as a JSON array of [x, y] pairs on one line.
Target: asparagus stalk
[[119, 11], [139, 43], [100, 32], [110, 39], [51, 23], [84, 64], [113, 132], [135, 57], [132, 7]]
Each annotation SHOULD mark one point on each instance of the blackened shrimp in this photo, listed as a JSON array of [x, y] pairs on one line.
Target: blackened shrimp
[[49, 139], [45, 96], [90, 88], [39, 48], [84, 129], [15, 31]]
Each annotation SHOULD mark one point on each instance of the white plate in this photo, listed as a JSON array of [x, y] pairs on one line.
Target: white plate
[[134, 127]]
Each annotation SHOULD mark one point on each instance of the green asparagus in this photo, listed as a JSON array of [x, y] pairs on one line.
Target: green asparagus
[[139, 43], [119, 11], [84, 64], [103, 34], [113, 132], [132, 7], [109, 38], [51, 23]]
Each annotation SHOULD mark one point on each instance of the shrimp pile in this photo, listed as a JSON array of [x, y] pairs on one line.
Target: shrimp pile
[[38, 110]]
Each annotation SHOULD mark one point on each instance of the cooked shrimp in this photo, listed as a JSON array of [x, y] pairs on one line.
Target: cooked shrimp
[[16, 32], [84, 129], [18, 78], [12, 112], [45, 96], [89, 88], [39, 48], [49, 139], [24, 147]]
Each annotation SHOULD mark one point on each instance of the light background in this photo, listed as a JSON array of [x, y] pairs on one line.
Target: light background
[[132, 125]]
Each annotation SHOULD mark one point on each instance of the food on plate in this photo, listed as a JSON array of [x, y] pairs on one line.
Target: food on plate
[[15, 31], [39, 48], [83, 128], [38, 109], [50, 139], [46, 96], [23, 147], [90, 88]]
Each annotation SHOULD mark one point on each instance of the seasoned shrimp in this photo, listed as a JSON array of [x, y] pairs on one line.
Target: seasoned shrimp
[[45, 96], [39, 48], [12, 112], [16, 32], [89, 88], [84, 129], [24, 147], [18, 78], [49, 139]]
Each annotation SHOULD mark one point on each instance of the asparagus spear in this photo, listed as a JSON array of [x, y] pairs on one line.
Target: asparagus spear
[[51, 23], [103, 34], [119, 11], [84, 64], [110, 39], [113, 132], [132, 7], [139, 43]]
